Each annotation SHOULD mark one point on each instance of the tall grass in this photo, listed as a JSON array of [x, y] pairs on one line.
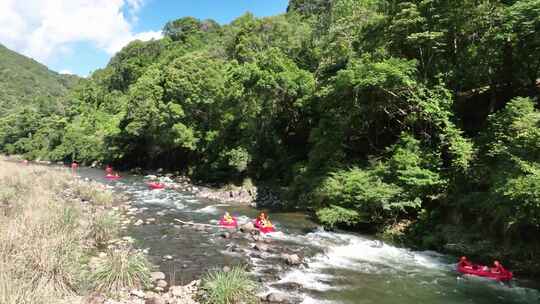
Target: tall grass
[[105, 226], [121, 269], [44, 236], [234, 286]]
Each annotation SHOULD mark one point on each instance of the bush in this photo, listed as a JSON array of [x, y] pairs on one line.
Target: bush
[[354, 193], [105, 227], [121, 269], [230, 287], [334, 215]]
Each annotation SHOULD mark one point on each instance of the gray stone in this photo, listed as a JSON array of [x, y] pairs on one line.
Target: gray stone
[[137, 293], [161, 283], [278, 297], [155, 300], [226, 235], [158, 275], [249, 227], [291, 259], [226, 268], [159, 289], [261, 246], [95, 298], [178, 291]]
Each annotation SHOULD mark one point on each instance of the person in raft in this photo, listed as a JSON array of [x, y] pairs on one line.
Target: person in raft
[[228, 218], [109, 169], [498, 268], [260, 218], [463, 262], [263, 221]]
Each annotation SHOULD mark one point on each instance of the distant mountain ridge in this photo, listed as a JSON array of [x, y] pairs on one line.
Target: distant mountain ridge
[[23, 79]]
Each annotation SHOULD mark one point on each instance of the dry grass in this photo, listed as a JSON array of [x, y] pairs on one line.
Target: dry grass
[[121, 269], [44, 232]]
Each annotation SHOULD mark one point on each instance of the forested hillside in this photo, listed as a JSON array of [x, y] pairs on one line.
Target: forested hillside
[[29, 94], [404, 116], [22, 80]]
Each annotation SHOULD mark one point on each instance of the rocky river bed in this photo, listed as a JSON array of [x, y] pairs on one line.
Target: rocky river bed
[[301, 263]]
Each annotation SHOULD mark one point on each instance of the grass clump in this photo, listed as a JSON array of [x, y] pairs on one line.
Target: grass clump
[[94, 193], [234, 286], [121, 269], [105, 226]]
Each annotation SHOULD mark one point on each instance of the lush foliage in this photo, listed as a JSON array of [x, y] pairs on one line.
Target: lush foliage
[[364, 111]]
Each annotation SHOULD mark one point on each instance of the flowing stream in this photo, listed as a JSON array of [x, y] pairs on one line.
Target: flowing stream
[[338, 267]]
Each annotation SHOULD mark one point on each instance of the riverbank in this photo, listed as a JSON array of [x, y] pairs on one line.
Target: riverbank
[[62, 241]]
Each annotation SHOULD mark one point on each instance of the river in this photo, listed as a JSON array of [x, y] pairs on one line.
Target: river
[[339, 267]]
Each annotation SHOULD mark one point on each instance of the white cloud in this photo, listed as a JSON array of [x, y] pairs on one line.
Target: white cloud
[[46, 29]]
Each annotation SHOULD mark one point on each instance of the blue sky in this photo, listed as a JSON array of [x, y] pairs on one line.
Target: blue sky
[[80, 36]]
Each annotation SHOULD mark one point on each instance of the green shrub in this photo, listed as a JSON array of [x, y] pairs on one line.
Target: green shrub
[[352, 193], [105, 227], [121, 269], [230, 287], [333, 215]]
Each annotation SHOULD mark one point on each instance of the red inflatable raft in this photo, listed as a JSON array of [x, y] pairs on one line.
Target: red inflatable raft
[[262, 229], [156, 185], [478, 270], [225, 224], [110, 176]]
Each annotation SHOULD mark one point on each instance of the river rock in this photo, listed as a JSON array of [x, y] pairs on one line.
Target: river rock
[[128, 239], [137, 293], [247, 228], [226, 268], [95, 298], [261, 247], [161, 283], [155, 300], [167, 257], [291, 259], [138, 222], [156, 276], [278, 297], [226, 235]]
